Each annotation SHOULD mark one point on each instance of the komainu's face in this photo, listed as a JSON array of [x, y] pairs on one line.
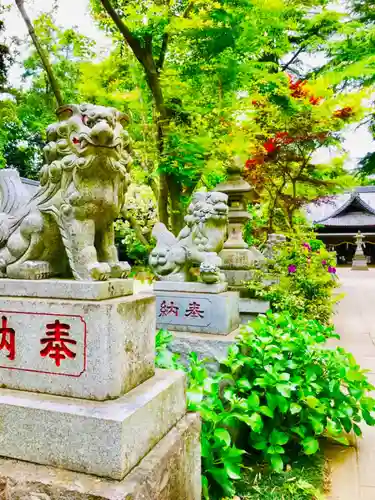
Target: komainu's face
[[87, 130]]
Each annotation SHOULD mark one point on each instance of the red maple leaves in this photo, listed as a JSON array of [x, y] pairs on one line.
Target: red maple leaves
[[298, 90]]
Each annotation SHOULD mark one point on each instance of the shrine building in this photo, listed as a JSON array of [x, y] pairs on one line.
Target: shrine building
[[338, 218]]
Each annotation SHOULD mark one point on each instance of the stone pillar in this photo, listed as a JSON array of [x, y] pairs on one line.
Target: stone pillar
[[80, 393], [359, 259]]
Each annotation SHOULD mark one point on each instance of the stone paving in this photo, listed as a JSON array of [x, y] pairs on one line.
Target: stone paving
[[353, 470]]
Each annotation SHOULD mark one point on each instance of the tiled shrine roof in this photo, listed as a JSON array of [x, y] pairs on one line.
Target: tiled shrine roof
[[354, 208]]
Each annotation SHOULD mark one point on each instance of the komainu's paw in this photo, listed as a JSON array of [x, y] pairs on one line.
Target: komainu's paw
[[30, 270], [120, 270], [209, 273], [100, 271]]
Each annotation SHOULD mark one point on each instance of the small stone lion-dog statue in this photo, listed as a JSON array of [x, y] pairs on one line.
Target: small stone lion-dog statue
[[66, 229], [197, 245]]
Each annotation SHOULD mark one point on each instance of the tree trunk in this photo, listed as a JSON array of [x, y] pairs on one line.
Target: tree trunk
[[137, 228], [163, 200], [168, 188], [177, 212], [42, 54]]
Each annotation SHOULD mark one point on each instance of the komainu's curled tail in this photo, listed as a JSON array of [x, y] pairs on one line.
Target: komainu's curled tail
[[13, 193], [14, 197]]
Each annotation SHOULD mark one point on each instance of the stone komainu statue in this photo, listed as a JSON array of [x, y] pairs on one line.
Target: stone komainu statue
[[66, 228], [198, 243]]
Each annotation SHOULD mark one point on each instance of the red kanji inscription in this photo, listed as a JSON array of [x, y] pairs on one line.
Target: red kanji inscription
[[8, 338], [168, 309], [194, 310], [56, 341]]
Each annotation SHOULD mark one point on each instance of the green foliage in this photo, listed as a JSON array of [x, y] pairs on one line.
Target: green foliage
[[278, 392], [5, 56], [130, 247], [300, 279], [303, 480], [133, 235], [163, 357]]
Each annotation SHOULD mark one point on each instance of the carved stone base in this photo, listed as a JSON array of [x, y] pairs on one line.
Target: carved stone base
[[215, 313], [170, 471], [359, 264], [103, 438], [81, 347]]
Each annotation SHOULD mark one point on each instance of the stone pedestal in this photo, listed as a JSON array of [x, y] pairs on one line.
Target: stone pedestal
[[251, 308], [171, 471], [202, 318], [100, 355], [196, 307], [103, 438], [81, 356]]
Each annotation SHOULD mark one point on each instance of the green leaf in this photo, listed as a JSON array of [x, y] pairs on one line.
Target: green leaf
[[221, 477], [234, 454], [205, 493], [295, 408], [275, 450], [272, 401], [317, 425], [284, 390], [277, 463], [266, 411], [256, 422], [253, 401], [357, 430], [277, 437], [310, 445], [342, 440], [260, 445], [244, 384], [283, 404], [223, 435], [312, 401], [195, 395], [233, 470]]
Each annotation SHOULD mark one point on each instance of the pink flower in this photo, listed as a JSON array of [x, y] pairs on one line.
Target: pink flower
[[292, 268], [324, 262], [331, 270], [307, 246]]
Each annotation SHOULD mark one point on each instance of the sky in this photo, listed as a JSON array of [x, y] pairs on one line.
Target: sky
[[358, 141]]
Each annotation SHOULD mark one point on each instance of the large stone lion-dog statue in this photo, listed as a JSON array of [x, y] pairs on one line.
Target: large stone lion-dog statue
[[66, 228], [197, 246]]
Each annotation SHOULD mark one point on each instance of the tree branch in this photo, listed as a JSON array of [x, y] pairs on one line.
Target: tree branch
[[291, 61], [41, 52], [163, 51], [124, 30], [188, 9]]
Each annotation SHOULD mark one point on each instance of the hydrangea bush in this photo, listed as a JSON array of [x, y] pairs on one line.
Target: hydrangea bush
[[279, 392], [300, 279]]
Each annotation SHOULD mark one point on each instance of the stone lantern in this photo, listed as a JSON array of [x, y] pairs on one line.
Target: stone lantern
[[237, 257], [359, 259]]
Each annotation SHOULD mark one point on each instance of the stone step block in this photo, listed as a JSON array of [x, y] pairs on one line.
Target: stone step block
[[66, 289], [103, 438], [92, 349], [205, 345], [171, 471]]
